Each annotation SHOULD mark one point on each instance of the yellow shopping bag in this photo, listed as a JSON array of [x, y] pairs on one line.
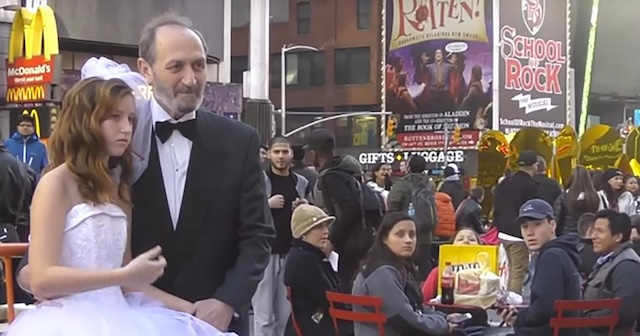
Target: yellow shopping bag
[[464, 257]]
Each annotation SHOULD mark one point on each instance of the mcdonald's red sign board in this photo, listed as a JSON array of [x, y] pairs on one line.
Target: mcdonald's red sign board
[[31, 64]]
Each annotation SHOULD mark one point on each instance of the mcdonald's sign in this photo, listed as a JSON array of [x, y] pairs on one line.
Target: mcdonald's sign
[[23, 94], [44, 118], [31, 64]]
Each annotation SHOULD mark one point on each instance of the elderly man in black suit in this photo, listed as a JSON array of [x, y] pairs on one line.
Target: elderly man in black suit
[[201, 196]]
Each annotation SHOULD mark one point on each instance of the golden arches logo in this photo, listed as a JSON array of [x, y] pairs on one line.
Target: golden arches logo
[[23, 94], [36, 120], [28, 30]]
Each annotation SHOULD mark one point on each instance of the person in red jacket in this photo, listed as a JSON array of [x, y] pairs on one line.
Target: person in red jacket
[[465, 236], [446, 227]]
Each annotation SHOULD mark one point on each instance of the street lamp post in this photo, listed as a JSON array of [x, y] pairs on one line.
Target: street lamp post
[[283, 80]]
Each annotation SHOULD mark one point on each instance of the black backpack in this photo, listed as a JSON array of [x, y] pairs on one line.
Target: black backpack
[[424, 205], [372, 210]]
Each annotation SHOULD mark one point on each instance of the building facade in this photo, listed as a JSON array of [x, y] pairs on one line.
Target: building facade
[[343, 76], [88, 28]]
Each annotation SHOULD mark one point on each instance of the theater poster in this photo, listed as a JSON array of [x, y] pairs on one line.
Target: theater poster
[[438, 71], [533, 65]]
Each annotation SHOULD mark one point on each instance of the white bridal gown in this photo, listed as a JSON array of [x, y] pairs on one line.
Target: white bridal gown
[[95, 237]]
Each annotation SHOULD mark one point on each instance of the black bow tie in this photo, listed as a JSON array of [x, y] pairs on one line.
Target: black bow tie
[[165, 129]]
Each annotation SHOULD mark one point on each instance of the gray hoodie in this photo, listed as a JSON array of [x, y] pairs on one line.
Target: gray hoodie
[[388, 283]]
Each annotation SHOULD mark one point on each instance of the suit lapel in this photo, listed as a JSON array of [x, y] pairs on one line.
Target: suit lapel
[[151, 210], [204, 170]]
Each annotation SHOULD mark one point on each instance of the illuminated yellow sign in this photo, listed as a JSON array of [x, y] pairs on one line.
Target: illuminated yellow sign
[[30, 62], [24, 94], [29, 29]]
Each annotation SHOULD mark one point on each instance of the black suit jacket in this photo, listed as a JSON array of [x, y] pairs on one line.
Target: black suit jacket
[[221, 243]]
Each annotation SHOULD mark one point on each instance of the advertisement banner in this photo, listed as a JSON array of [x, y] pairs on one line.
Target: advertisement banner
[[32, 58], [533, 65], [438, 71]]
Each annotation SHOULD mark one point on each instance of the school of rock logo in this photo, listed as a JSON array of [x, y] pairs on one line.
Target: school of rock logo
[[533, 14], [531, 65]]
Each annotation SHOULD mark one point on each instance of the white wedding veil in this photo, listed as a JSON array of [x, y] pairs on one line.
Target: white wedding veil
[[141, 143]]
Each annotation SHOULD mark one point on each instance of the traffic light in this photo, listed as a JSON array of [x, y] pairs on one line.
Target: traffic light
[[457, 134], [391, 127]]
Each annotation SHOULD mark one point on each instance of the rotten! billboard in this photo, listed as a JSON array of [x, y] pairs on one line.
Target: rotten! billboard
[[533, 65], [438, 72]]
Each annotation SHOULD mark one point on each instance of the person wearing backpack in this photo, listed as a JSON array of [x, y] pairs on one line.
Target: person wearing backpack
[[342, 191], [414, 195]]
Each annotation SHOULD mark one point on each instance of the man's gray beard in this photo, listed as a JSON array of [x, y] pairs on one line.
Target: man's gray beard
[[160, 98]]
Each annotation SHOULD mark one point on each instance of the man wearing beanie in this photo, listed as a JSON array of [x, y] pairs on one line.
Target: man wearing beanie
[[510, 195], [452, 185]]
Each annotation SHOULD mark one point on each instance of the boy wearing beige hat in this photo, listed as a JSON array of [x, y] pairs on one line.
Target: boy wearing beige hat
[[309, 274]]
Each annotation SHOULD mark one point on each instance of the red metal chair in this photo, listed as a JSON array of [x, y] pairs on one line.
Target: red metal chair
[[374, 302], [293, 318], [560, 322], [9, 251]]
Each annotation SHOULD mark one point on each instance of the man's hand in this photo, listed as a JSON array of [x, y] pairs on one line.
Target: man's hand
[[276, 202], [298, 202], [214, 312], [509, 315], [328, 248]]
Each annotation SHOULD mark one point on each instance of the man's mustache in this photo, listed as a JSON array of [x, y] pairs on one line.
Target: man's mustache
[[188, 90]]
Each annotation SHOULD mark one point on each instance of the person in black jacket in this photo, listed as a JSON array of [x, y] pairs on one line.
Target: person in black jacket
[[17, 184], [588, 257], [548, 188], [510, 195], [308, 274], [335, 193], [452, 185], [469, 214], [556, 274]]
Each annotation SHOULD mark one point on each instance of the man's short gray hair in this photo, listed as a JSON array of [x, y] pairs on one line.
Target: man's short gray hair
[[147, 43]]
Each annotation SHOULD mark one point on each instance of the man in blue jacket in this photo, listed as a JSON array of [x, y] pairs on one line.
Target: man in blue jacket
[[555, 275], [25, 145]]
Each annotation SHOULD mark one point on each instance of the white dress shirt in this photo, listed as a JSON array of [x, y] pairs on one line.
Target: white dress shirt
[[174, 155]]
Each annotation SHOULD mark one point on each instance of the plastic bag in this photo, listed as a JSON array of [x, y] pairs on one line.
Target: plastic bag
[[476, 287]]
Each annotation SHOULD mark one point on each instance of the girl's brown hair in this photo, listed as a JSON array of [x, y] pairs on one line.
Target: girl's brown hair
[[78, 141]]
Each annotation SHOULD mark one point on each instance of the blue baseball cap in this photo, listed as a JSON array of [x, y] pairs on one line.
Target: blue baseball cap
[[535, 209]]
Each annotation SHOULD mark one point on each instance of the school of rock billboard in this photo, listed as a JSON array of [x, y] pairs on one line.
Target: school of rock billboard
[[533, 65], [438, 71]]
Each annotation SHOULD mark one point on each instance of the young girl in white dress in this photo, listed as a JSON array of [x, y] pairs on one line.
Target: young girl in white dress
[[80, 259]]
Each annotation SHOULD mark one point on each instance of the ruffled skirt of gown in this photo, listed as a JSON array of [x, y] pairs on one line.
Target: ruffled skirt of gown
[[139, 317]]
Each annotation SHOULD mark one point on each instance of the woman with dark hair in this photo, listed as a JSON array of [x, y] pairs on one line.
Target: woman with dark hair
[[381, 179], [579, 198], [631, 185], [389, 273], [613, 195], [596, 178]]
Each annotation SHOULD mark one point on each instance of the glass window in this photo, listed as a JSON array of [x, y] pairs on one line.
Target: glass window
[[239, 64], [274, 71], [352, 66], [304, 69], [303, 10], [364, 14]]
